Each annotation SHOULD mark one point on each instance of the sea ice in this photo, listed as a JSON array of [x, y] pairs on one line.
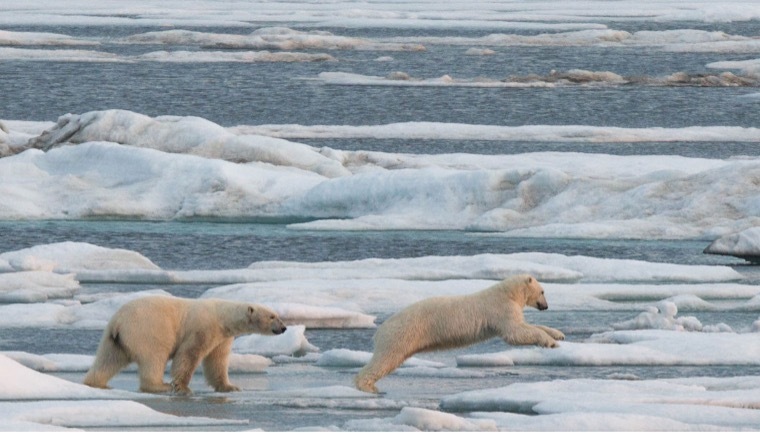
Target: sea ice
[[71, 257], [36, 286], [291, 342], [639, 347], [744, 244], [535, 194], [691, 403]]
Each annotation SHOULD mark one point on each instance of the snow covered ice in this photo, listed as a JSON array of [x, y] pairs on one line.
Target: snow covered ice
[[338, 161], [540, 194], [745, 244]]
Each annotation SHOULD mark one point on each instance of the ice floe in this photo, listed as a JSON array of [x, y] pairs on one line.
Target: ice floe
[[183, 135], [197, 169], [572, 77], [745, 244], [35, 286], [538, 133], [269, 38], [421, 14], [339, 294], [33, 401], [632, 347], [70, 257], [180, 56], [355, 358], [679, 404], [10, 38], [291, 342]]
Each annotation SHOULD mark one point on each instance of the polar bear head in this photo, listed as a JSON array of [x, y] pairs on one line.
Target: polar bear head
[[525, 290], [263, 320], [534, 294]]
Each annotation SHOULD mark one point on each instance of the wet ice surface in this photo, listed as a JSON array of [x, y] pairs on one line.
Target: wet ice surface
[[266, 402], [302, 392]]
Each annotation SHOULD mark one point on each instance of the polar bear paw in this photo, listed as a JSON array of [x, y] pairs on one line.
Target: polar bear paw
[[228, 387], [182, 390]]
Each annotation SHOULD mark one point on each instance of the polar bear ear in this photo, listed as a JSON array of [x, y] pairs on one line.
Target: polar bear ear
[[529, 280], [251, 310]]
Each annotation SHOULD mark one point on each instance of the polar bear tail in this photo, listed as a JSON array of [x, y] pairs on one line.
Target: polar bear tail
[[110, 358]]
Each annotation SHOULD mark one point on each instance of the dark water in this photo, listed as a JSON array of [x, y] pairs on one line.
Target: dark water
[[268, 93], [208, 245]]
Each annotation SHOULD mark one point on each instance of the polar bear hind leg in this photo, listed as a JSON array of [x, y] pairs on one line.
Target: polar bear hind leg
[[110, 359], [384, 361]]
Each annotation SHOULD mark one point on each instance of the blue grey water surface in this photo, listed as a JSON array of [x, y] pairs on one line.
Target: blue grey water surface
[[276, 93]]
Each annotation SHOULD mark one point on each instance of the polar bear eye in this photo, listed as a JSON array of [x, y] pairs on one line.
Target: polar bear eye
[[272, 317]]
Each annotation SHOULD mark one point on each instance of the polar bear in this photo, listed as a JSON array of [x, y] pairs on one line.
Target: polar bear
[[454, 321], [154, 329]]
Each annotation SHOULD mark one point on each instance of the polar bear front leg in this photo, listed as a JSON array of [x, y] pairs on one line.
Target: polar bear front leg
[[185, 361], [215, 367], [554, 333], [521, 334]]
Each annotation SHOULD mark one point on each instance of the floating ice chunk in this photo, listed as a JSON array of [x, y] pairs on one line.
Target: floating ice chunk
[[662, 316], [31, 315], [596, 269], [431, 268], [97, 414], [573, 77], [74, 256], [745, 244], [479, 52], [22, 383], [52, 362], [756, 326], [431, 420], [460, 131], [355, 358], [64, 362], [140, 183], [720, 327], [322, 317], [269, 38], [291, 342], [36, 286], [60, 55], [610, 405], [188, 135], [334, 391], [37, 38], [247, 363], [640, 347], [88, 316], [749, 67], [446, 372], [237, 57]]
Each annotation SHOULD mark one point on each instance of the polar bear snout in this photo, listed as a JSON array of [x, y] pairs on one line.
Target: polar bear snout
[[542, 305], [278, 329]]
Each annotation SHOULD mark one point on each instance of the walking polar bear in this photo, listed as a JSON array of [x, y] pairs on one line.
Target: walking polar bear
[[453, 321], [154, 329]]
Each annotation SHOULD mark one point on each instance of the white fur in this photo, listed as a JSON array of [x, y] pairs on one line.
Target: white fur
[[154, 329], [454, 321]]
